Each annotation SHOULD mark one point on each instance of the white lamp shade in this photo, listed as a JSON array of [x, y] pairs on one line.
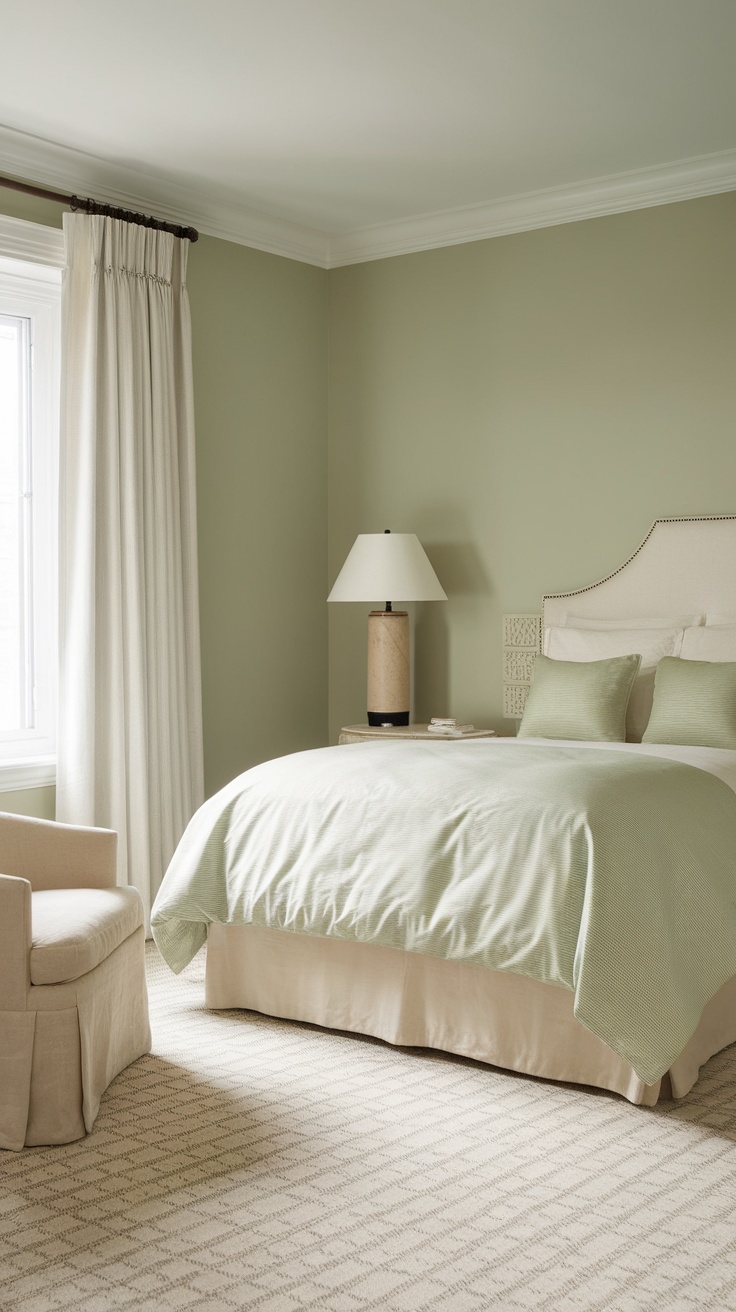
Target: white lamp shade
[[387, 567]]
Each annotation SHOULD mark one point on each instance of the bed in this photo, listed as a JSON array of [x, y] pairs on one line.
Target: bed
[[626, 978]]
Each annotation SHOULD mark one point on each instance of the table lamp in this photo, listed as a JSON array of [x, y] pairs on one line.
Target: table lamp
[[388, 565]]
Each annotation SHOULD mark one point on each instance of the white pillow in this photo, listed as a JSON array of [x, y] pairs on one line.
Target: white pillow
[[710, 642], [667, 622], [568, 644]]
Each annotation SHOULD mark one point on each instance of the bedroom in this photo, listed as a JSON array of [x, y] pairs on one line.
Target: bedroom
[[598, 353]]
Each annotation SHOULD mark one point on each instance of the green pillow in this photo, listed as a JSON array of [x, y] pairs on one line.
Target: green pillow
[[579, 699], [694, 703]]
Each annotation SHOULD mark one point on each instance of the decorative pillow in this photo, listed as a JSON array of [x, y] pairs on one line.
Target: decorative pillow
[[568, 644], [694, 704], [664, 622], [586, 700], [711, 642]]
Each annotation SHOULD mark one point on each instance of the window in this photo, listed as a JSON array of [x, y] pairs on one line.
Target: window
[[29, 425]]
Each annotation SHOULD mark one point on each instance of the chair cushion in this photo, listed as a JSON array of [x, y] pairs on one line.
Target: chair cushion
[[74, 929]]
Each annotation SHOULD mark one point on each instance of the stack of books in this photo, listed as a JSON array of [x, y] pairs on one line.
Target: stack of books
[[448, 728]]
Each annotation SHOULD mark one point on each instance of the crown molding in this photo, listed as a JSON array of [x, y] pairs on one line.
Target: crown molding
[[705, 175], [76, 172], [216, 215]]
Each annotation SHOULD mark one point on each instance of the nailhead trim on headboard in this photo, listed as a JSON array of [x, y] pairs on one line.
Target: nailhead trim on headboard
[[673, 519]]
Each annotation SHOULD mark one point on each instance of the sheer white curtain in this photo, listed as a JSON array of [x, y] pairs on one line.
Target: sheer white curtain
[[130, 719]]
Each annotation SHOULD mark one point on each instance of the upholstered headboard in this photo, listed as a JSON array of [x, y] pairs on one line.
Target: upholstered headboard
[[683, 566]]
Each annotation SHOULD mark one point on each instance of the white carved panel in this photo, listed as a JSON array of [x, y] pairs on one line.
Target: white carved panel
[[517, 665], [514, 700], [522, 639], [523, 631]]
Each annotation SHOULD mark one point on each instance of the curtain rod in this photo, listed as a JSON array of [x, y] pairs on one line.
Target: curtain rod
[[99, 207]]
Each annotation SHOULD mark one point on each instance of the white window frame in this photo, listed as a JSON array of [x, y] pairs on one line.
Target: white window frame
[[31, 260]]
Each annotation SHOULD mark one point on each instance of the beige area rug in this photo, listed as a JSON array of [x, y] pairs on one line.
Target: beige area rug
[[253, 1163]]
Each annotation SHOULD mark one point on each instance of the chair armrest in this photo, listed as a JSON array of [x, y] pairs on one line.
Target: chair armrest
[[51, 855], [15, 942]]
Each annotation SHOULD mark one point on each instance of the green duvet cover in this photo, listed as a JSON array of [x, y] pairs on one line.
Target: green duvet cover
[[607, 873]]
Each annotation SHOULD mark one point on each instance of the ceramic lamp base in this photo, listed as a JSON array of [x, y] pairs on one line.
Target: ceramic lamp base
[[388, 667]]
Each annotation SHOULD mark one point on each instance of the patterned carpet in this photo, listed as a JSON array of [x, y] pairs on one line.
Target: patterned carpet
[[250, 1163]]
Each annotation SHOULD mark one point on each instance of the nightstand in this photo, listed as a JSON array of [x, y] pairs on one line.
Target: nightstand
[[364, 733]]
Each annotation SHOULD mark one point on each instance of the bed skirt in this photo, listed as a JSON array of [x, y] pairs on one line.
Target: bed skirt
[[415, 1000]]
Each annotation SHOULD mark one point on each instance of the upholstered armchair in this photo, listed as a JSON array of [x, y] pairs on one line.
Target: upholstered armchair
[[73, 1001]]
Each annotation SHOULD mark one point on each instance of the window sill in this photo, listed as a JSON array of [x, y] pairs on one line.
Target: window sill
[[40, 772]]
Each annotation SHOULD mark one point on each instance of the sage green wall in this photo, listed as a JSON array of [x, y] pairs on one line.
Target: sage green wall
[[260, 360], [40, 802], [260, 383], [528, 406]]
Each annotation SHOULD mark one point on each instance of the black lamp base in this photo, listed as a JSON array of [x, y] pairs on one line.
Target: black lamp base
[[394, 718]]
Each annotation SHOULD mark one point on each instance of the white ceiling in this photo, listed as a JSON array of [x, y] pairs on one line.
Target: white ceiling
[[303, 122]]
